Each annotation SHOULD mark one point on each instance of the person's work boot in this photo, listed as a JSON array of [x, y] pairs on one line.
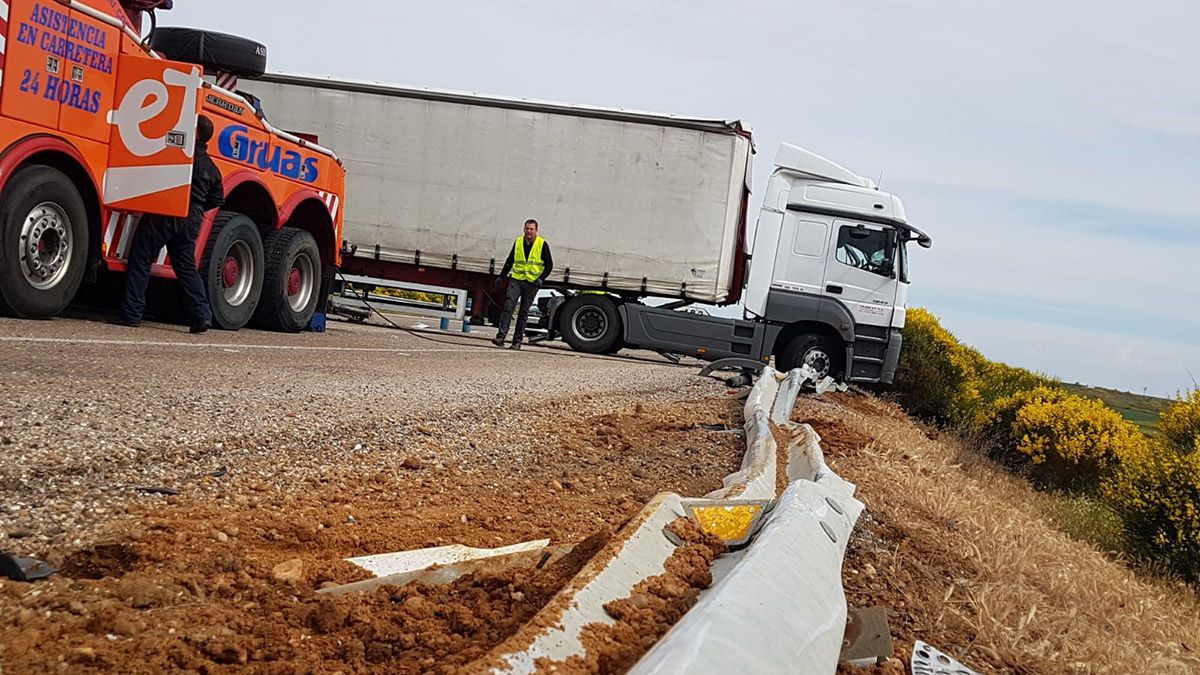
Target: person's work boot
[[200, 327], [498, 340], [516, 344], [122, 320]]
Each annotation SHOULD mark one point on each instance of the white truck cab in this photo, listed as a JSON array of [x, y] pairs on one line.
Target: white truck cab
[[830, 255], [827, 284]]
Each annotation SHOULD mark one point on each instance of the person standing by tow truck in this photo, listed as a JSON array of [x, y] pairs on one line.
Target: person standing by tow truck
[[179, 236], [528, 265]]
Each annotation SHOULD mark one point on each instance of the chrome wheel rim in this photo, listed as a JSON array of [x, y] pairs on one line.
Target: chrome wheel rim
[[238, 283], [818, 361], [45, 246], [300, 283]]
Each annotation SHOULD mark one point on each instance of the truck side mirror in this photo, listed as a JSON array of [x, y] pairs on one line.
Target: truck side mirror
[[887, 267]]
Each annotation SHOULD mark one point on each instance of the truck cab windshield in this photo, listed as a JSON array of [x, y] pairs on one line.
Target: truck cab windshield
[[863, 248]]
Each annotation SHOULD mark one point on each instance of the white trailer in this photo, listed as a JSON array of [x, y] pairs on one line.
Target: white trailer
[[634, 205], [630, 202]]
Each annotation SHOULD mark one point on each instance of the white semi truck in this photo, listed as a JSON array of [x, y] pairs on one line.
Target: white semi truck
[[635, 206]]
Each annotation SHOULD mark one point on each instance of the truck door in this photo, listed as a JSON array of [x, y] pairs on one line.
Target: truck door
[[27, 65], [800, 256], [153, 136], [859, 273], [61, 67]]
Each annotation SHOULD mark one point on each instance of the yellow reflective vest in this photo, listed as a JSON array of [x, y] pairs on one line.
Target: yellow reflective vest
[[528, 269]]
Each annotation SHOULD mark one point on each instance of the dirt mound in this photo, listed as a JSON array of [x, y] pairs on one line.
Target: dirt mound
[[102, 560], [226, 581], [839, 438], [651, 608]]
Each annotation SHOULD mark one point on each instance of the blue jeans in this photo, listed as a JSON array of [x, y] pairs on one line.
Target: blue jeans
[[179, 236]]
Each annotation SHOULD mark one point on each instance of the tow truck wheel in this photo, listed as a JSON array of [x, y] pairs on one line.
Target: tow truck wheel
[[232, 269], [591, 324], [292, 284], [813, 350], [43, 243]]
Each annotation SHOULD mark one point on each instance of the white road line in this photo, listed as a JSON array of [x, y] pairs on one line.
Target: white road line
[[234, 345]]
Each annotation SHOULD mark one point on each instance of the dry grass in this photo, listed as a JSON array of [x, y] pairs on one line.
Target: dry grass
[[962, 555]]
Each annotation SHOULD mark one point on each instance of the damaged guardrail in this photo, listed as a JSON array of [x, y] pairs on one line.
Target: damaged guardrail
[[777, 605], [776, 602], [756, 477]]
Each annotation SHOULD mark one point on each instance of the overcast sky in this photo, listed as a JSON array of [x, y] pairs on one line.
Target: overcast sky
[[1052, 149]]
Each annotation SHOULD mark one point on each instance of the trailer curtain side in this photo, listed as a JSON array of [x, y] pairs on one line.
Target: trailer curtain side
[[632, 200]]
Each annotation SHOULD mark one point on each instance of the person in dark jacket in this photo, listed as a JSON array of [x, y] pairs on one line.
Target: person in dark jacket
[[179, 236], [528, 265]]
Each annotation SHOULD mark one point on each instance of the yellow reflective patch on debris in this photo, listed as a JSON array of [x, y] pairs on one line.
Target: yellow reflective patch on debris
[[729, 523]]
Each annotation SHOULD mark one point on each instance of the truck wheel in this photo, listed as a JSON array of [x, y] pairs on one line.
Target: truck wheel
[[591, 324], [814, 350], [218, 51], [43, 243], [232, 269], [616, 347], [291, 285]]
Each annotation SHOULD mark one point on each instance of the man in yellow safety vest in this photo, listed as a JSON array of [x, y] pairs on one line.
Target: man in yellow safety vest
[[528, 265]]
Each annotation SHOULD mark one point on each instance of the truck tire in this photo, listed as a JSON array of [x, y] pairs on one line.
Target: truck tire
[[591, 324], [232, 270], [815, 350], [291, 284], [43, 243], [616, 347], [218, 51]]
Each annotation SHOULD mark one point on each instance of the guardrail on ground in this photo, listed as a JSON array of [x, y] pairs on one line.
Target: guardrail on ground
[[776, 605]]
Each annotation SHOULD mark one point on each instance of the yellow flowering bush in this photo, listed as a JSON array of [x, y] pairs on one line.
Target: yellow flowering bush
[[1157, 493], [937, 376], [940, 378], [1060, 439], [1179, 425], [999, 380], [1065, 441], [999, 419]]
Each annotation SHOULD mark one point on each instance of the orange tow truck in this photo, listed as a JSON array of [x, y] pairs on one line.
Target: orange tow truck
[[97, 127]]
